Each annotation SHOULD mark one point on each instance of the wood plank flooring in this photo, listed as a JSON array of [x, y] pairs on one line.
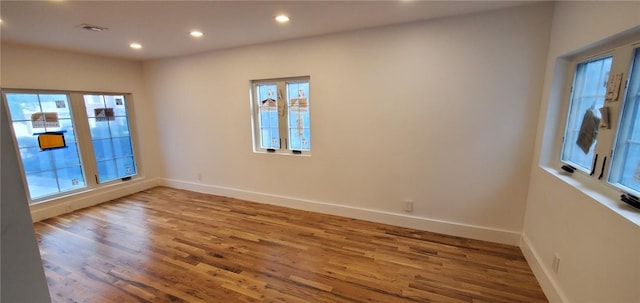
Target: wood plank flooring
[[168, 245]]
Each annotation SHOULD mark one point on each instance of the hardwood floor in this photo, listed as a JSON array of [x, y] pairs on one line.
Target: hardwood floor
[[168, 245]]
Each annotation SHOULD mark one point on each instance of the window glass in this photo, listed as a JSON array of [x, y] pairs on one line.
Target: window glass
[[298, 112], [625, 170], [47, 172], [281, 119], [267, 98], [589, 88], [109, 127]]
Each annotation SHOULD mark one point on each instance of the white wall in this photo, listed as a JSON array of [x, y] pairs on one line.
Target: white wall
[[442, 112], [38, 68], [454, 102], [599, 250]]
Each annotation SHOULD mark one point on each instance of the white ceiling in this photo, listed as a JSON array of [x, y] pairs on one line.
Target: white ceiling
[[162, 27]]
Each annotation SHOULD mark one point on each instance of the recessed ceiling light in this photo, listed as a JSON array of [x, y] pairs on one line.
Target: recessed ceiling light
[[282, 18], [135, 45], [196, 34]]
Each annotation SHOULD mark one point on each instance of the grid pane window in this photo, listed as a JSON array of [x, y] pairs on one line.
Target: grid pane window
[[268, 118], [110, 135], [47, 172], [50, 144], [589, 89], [281, 115], [626, 168], [298, 106]]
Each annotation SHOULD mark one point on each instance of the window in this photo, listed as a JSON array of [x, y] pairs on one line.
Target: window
[[109, 125], [589, 87], [281, 118], [625, 169], [48, 173], [602, 134]]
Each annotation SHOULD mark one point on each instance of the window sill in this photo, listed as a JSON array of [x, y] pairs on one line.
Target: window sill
[[283, 153], [608, 197]]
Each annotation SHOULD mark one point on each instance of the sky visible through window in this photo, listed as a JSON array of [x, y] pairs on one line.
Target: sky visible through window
[[51, 171]]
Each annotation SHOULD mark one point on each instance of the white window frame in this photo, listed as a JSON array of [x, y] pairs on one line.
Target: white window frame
[[84, 141], [623, 52], [579, 115], [615, 170], [281, 96]]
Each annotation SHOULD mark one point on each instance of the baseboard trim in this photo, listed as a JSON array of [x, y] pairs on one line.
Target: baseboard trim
[[543, 275], [397, 219], [89, 198]]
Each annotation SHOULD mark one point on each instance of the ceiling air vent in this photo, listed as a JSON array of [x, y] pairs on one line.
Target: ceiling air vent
[[93, 28]]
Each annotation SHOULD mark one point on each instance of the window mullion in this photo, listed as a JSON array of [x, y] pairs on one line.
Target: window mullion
[[283, 119], [255, 108], [85, 146]]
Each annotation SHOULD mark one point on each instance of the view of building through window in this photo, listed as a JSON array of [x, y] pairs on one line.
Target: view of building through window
[[589, 87], [109, 125], [606, 147], [49, 172], [625, 170], [282, 115]]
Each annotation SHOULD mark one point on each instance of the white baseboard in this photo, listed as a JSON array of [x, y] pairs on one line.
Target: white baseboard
[[397, 219], [543, 274], [89, 198]]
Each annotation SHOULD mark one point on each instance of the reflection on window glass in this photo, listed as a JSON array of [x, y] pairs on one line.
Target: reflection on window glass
[[109, 127], [625, 170], [298, 113], [268, 118], [281, 116], [51, 171], [589, 89]]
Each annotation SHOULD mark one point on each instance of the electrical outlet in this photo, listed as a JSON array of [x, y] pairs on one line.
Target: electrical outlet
[[556, 263], [199, 176], [407, 206]]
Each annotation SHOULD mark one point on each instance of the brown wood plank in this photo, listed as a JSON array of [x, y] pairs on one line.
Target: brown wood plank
[[168, 245]]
